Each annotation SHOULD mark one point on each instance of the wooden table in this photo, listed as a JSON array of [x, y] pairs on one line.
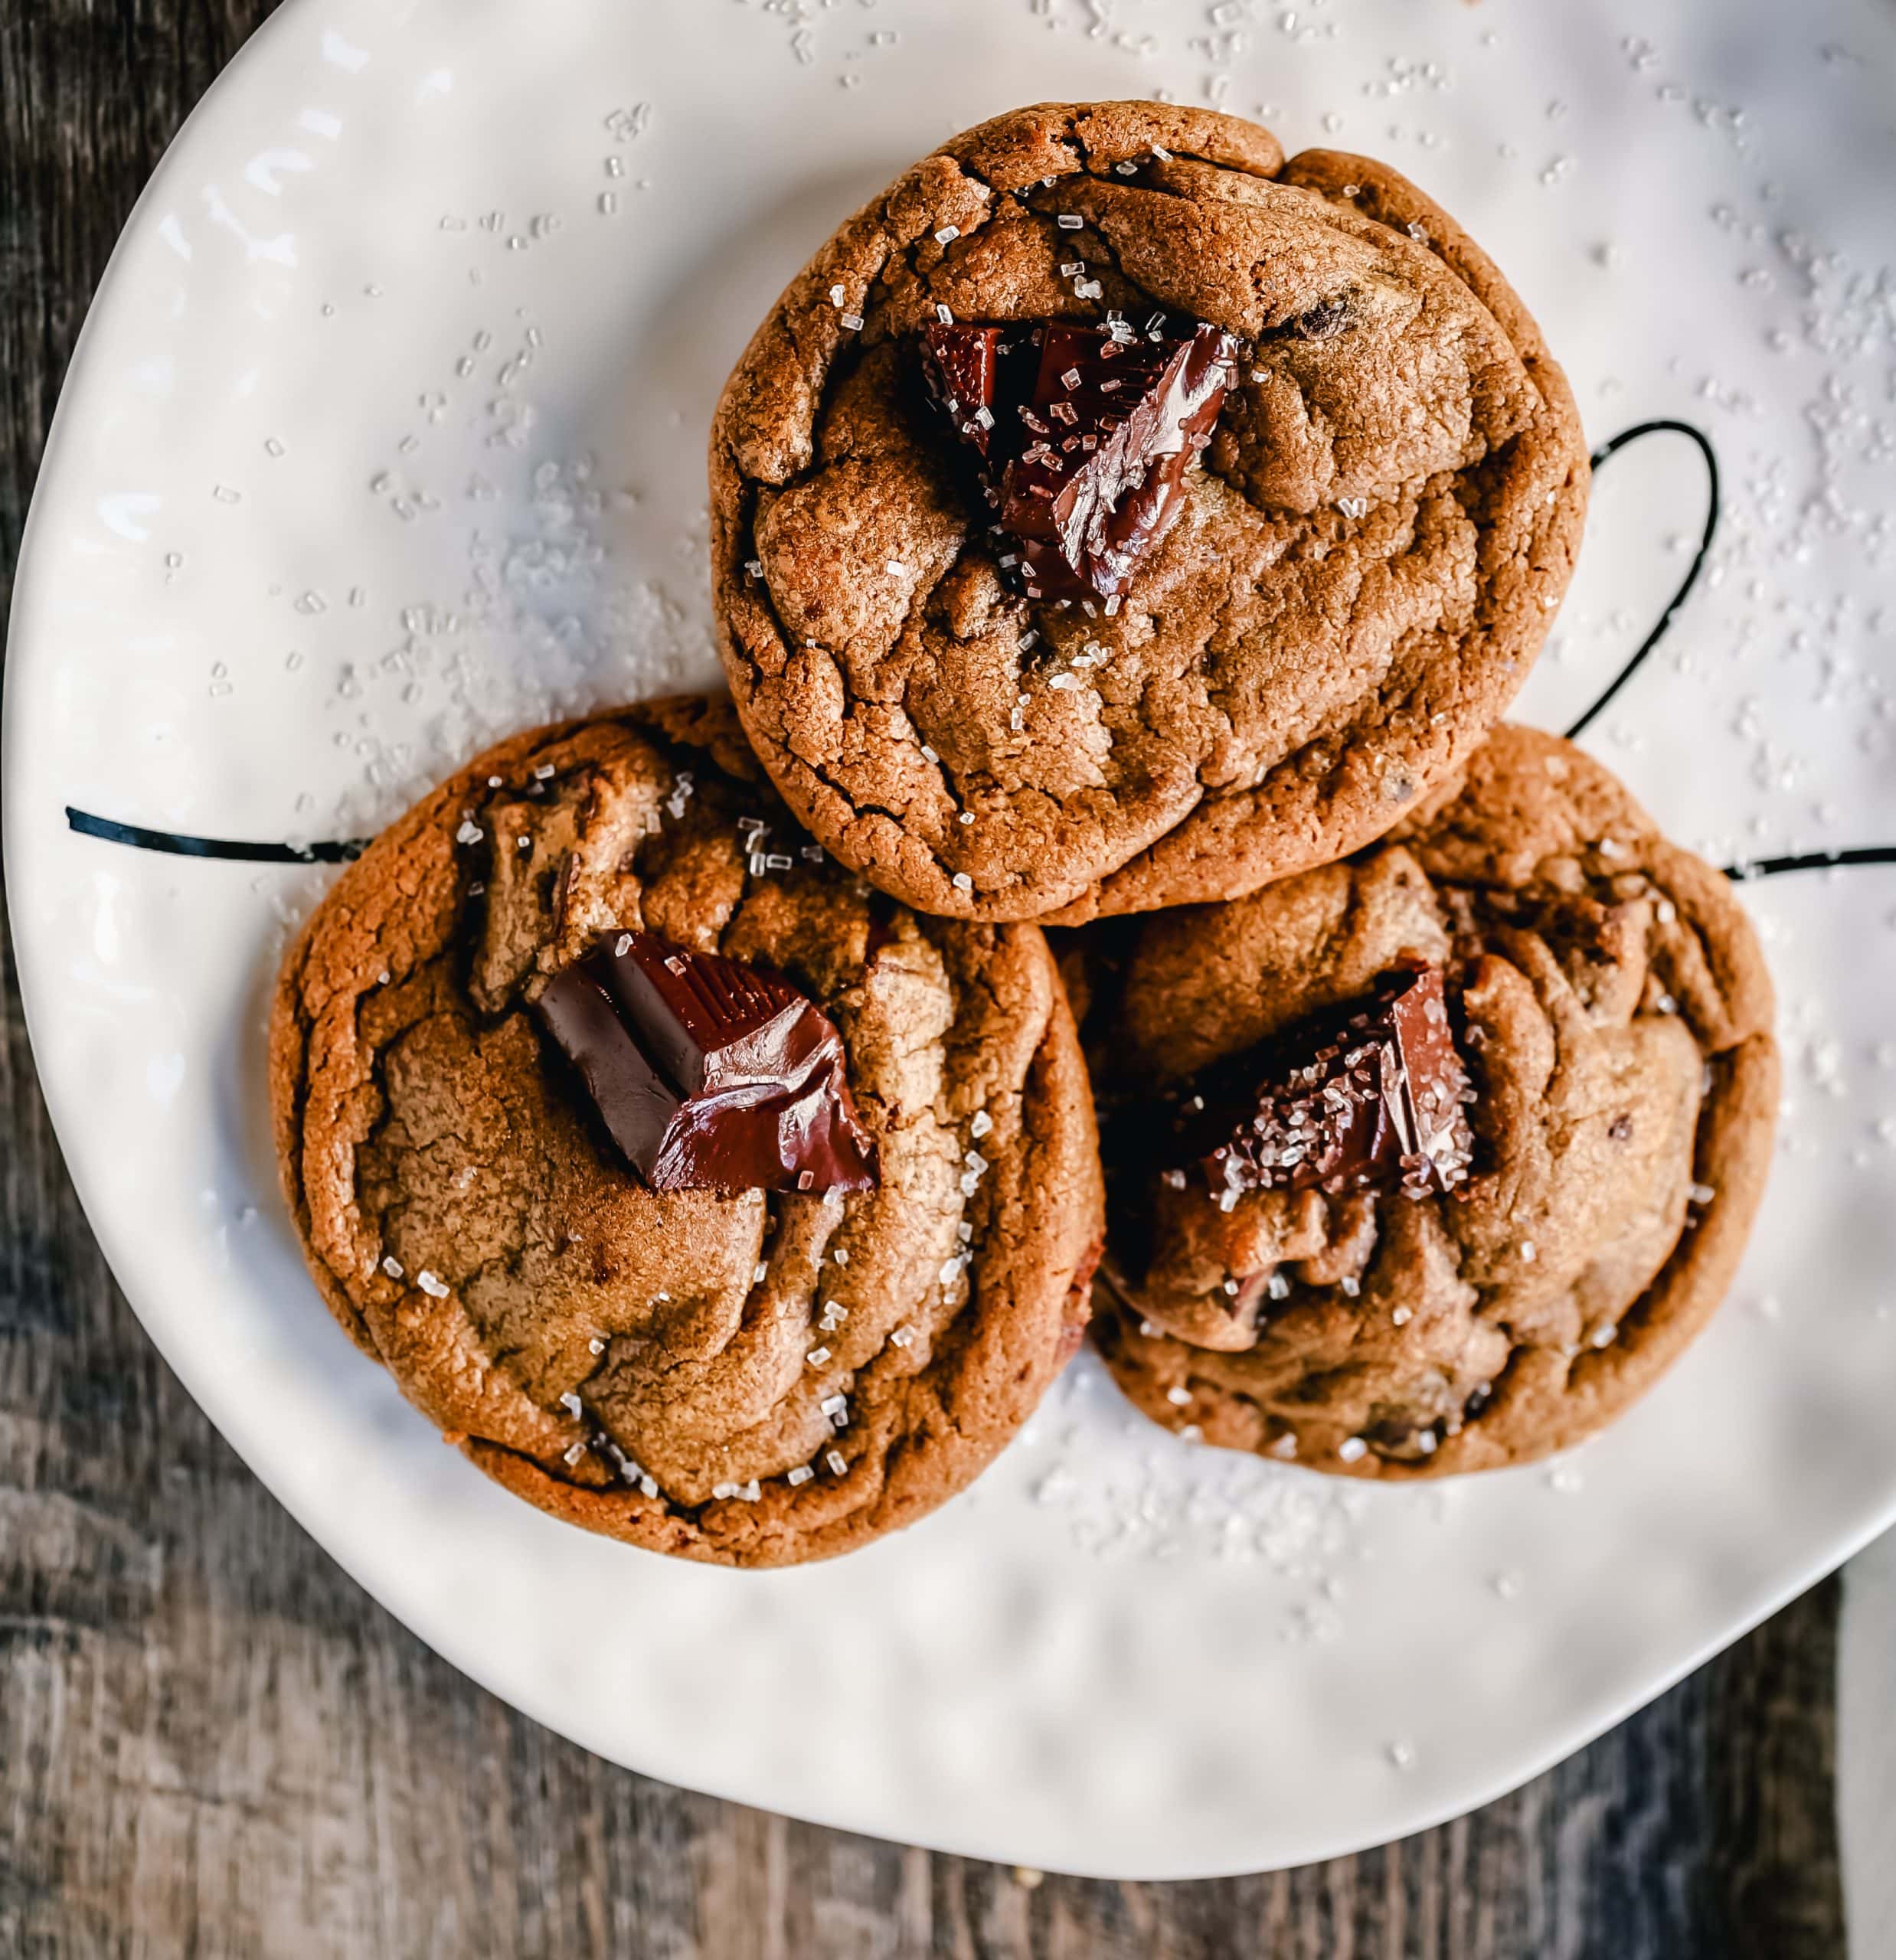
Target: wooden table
[[211, 1743]]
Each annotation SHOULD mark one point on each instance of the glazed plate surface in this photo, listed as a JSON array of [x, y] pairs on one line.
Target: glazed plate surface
[[385, 436]]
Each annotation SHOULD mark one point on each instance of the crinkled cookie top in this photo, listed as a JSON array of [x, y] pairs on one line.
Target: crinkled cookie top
[[753, 1378], [1613, 1015], [1365, 563]]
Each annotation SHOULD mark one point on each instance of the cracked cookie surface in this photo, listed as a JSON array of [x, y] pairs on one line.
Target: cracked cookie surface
[[1613, 1015], [1364, 567], [753, 1379]]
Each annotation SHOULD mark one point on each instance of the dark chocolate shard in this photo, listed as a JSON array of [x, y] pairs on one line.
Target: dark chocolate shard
[[1369, 1096], [963, 370], [710, 1024], [709, 1074], [636, 1101], [1086, 435]]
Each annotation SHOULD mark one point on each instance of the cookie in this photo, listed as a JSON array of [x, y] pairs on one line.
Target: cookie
[[1403, 1247], [1015, 651], [752, 1376]]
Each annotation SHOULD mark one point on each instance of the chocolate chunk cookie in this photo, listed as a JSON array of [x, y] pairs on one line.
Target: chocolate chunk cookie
[[1403, 1246], [749, 1375], [1113, 514]]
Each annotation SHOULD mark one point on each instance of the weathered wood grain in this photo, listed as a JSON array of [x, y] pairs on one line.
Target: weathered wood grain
[[212, 1744]]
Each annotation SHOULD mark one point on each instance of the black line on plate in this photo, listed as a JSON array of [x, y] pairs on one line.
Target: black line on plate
[[1604, 454], [336, 851], [1811, 860]]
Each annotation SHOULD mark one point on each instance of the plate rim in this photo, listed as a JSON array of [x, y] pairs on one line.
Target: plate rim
[[24, 643]]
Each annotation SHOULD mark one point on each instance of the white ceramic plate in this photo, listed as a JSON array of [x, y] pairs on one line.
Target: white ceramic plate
[[385, 436]]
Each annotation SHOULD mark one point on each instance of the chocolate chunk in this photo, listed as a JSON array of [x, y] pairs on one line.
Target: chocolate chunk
[[1086, 448], [1322, 322], [709, 1074], [1091, 498], [1366, 1096], [636, 1101], [963, 372]]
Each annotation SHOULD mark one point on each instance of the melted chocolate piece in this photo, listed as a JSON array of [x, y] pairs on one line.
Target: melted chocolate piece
[[963, 369], [1366, 1096], [1322, 322], [709, 1074], [1085, 446]]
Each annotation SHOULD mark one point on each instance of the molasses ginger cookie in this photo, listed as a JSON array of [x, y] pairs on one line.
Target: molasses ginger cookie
[[1435, 1159], [702, 1195], [1114, 515]]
